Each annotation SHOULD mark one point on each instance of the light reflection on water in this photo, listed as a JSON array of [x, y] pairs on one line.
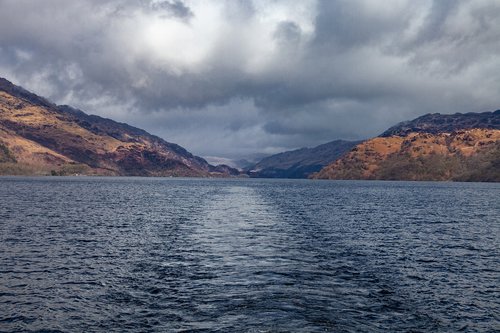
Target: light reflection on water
[[115, 254]]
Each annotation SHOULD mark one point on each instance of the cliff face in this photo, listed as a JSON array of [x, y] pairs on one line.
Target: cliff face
[[434, 149], [38, 138], [300, 163]]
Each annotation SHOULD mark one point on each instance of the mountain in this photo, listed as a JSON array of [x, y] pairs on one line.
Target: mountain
[[239, 164], [38, 137], [300, 163], [436, 123], [462, 147]]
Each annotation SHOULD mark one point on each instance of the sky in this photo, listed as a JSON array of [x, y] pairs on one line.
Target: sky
[[235, 78]]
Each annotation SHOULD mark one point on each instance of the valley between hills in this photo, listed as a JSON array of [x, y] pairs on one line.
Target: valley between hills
[[38, 137]]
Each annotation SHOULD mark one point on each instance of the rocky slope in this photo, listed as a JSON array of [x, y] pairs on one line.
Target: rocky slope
[[462, 147], [436, 123], [302, 162], [40, 138]]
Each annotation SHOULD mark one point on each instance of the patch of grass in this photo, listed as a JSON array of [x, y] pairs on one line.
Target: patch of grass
[[19, 169], [6, 155], [484, 166], [71, 170]]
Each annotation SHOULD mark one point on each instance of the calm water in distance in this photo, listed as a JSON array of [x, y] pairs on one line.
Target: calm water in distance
[[205, 255]]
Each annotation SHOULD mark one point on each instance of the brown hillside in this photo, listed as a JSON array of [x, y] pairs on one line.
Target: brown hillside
[[472, 154], [38, 138]]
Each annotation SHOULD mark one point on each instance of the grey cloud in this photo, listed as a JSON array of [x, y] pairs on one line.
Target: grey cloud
[[227, 77], [176, 8], [455, 35], [288, 32], [436, 19], [342, 25]]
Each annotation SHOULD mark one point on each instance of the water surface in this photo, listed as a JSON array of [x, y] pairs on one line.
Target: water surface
[[137, 254]]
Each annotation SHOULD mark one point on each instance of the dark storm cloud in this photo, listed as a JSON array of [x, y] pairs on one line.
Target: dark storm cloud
[[237, 77]]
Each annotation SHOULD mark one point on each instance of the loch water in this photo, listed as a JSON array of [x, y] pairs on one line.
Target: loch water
[[245, 255]]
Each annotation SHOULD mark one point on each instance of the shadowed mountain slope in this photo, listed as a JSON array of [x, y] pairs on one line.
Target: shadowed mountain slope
[[302, 162], [436, 123], [38, 137]]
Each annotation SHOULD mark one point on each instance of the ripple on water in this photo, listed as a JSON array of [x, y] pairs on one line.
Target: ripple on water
[[133, 254]]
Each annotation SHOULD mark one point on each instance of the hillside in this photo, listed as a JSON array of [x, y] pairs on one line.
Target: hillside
[[41, 138], [436, 123], [463, 147], [300, 163]]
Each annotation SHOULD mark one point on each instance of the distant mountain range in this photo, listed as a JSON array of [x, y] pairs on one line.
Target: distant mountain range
[[38, 137], [300, 163], [464, 147]]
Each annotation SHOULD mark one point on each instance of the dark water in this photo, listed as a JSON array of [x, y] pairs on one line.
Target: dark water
[[167, 255]]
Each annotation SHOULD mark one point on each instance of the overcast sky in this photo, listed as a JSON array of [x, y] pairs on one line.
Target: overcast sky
[[232, 78]]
